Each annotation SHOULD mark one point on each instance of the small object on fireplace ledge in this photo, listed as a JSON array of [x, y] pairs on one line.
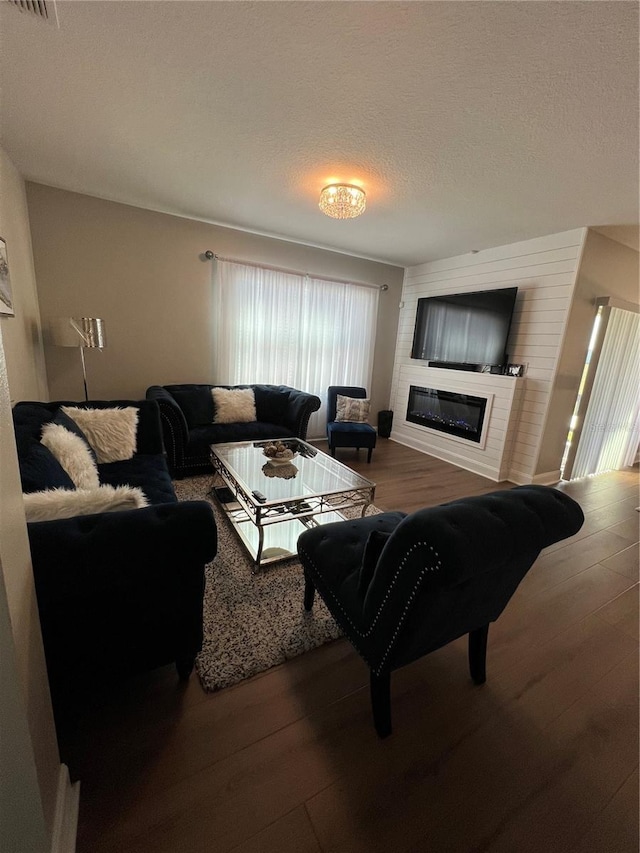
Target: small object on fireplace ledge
[[515, 370]]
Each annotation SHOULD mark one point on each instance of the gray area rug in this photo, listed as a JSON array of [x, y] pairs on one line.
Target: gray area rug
[[251, 622]]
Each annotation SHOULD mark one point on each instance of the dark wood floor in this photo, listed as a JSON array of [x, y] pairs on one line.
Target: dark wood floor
[[543, 757]]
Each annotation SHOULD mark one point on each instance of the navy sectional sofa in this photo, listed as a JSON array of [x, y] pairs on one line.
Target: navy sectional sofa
[[118, 592], [187, 413]]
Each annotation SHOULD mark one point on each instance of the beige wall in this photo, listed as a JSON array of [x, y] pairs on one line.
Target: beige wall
[[22, 825], [607, 268], [21, 334], [144, 274], [29, 747]]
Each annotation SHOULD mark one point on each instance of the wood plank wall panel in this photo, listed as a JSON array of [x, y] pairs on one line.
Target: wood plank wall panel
[[544, 270]]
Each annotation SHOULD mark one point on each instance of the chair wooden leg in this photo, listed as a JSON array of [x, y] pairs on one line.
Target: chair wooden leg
[[184, 666], [381, 702], [369, 454], [478, 654], [309, 594]]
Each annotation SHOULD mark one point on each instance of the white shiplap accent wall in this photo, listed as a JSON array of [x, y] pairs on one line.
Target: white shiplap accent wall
[[491, 457], [544, 270]]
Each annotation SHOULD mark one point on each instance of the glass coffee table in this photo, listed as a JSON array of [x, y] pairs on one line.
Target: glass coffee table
[[269, 503]]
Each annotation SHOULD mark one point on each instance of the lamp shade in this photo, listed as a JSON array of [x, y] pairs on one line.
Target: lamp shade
[[92, 331], [78, 332]]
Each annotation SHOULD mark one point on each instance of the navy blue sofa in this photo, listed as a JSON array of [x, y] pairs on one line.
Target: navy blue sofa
[[187, 413], [118, 592]]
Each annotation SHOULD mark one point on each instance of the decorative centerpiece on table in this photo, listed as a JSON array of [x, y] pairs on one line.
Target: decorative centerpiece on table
[[278, 463], [278, 453]]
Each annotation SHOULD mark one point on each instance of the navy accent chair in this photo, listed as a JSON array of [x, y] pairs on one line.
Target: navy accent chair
[[344, 434], [401, 586]]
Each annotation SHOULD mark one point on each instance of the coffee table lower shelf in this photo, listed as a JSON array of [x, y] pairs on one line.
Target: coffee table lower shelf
[[272, 543]]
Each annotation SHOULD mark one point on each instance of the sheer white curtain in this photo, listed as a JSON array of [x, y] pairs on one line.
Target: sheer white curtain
[[609, 439], [287, 329]]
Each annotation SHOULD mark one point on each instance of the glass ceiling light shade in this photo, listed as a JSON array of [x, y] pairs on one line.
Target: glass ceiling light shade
[[342, 201]]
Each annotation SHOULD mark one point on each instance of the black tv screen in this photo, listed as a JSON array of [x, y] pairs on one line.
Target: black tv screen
[[464, 328]]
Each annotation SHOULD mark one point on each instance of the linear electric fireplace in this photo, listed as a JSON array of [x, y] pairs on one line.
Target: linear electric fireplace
[[456, 414]]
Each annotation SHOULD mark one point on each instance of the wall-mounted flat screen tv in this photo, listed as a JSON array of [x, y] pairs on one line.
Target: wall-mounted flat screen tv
[[464, 328]]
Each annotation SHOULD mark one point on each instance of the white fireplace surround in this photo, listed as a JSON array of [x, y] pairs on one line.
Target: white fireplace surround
[[490, 457], [488, 398]]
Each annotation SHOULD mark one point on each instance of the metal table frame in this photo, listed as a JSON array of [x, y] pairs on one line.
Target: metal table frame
[[309, 511]]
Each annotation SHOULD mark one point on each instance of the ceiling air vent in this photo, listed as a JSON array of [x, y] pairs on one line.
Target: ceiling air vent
[[45, 9]]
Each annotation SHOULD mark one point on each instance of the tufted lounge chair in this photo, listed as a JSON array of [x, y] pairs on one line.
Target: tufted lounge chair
[[401, 586]]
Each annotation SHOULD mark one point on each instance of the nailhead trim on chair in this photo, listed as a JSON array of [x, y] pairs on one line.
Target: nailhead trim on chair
[[412, 595], [363, 634]]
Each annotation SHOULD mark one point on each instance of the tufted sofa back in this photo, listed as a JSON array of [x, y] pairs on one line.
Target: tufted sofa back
[[29, 417], [197, 405]]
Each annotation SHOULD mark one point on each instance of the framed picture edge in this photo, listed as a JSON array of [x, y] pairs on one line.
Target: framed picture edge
[[7, 308]]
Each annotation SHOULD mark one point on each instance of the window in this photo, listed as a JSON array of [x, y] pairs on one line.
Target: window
[[283, 328]]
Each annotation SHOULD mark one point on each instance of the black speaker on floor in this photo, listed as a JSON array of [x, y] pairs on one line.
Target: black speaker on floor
[[385, 421]]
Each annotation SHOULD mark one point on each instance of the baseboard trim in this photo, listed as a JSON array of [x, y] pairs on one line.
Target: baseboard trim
[[65, 821], [519, 478], [474, 467], [548, 478]]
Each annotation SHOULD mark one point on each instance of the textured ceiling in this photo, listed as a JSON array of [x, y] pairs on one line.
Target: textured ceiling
[[469, 124]]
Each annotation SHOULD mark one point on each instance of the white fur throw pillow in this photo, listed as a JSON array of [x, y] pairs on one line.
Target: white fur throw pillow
[[352, 410], [73, 454], [53, 504], [234, 405], [111, 432]]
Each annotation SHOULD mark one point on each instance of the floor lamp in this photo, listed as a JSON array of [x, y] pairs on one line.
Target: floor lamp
[[82, 332]]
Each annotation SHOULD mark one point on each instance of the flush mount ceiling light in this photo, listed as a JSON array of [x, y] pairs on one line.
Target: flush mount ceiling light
[[342, 201]]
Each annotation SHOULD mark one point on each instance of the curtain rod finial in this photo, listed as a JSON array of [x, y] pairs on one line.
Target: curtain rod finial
[[209, 255]]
